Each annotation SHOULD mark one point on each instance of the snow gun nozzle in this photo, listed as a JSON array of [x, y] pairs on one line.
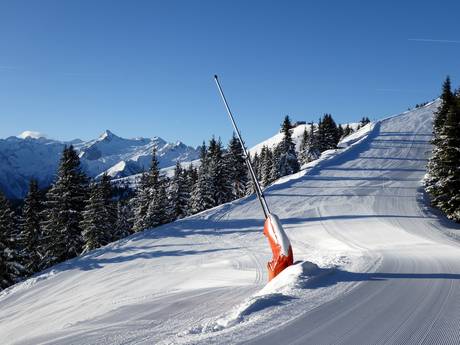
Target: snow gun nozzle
[[283, 256], [215, 76]]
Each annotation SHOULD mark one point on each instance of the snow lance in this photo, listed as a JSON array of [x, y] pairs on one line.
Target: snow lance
[[273, 230]]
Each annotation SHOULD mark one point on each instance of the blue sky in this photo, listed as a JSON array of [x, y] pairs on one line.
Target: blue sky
[[72, 69]]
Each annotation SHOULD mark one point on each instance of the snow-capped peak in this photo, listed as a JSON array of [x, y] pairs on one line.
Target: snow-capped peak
[[107, 135], [31, 134]]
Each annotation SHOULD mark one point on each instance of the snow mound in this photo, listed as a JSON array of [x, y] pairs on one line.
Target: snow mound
[[278, 292], [27, 284]]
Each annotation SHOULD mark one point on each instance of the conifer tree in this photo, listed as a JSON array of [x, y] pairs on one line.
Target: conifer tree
[[435, 164], [347, 131], [140, 203], [64, 205], [192, 176], [267, 168], [275, 171], [287, 163], [179, 193], [327, 133], [447, 98], [124, 222], [202, 195], [304, 147], [221, 188], [31, 231], [313, 151], [261, 162], [150, 202], [236, 167], [340, 132], [256, 165], [250, 188], [11, 269], [157, 213], [364, 121], [99, 216], [443, 183]]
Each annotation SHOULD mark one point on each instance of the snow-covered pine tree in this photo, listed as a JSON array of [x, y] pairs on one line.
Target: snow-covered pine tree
[[99, 216], [236, 166], [444, 166], [125, 218], [140, 203], [150, 202], [451, 134], [110, 206], [192, 176], [275, 172], [250, 188], [262, 163], [179, 193], [11, 269], [435, 171], [287, 161], [304, 147], [202, 196], [222, 190], [267, 167], [313, 151], [157, 212], [448, 99], [256, 165], [62, 239], [31, 231]]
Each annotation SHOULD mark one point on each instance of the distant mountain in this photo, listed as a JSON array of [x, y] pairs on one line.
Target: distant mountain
[[31, 155]]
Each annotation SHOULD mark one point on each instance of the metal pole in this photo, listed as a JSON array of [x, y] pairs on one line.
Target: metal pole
[[259, 192]]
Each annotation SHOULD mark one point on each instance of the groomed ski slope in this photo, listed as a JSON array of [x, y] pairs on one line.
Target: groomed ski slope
[[375, 265]]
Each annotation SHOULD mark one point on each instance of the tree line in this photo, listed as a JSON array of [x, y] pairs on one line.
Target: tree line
[[443, 178], [76, 214]]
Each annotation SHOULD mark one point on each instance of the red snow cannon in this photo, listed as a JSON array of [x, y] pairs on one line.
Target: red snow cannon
[[280, 245], [279, 242]]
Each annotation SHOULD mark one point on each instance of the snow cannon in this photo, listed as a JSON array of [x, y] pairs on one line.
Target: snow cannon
[[277, 238], [280, 246]]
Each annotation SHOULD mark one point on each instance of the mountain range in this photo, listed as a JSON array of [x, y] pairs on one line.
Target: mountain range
[[31, 155]]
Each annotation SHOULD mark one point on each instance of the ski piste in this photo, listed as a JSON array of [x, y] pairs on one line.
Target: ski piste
[[279, 242]]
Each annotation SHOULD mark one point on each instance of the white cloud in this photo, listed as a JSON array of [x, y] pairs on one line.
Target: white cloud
[[31, 134]]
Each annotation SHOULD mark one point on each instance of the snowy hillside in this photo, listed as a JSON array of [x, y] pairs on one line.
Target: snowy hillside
[[133, 180], [297, 133], [31, 155], [372, 266]]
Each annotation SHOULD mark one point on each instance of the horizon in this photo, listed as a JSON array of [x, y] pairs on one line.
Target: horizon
[[72, 69], [38, 135]]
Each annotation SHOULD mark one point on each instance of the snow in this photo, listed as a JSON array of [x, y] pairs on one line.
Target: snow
[[356, 136], [371, 265], [277, 291], [297, 133]]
